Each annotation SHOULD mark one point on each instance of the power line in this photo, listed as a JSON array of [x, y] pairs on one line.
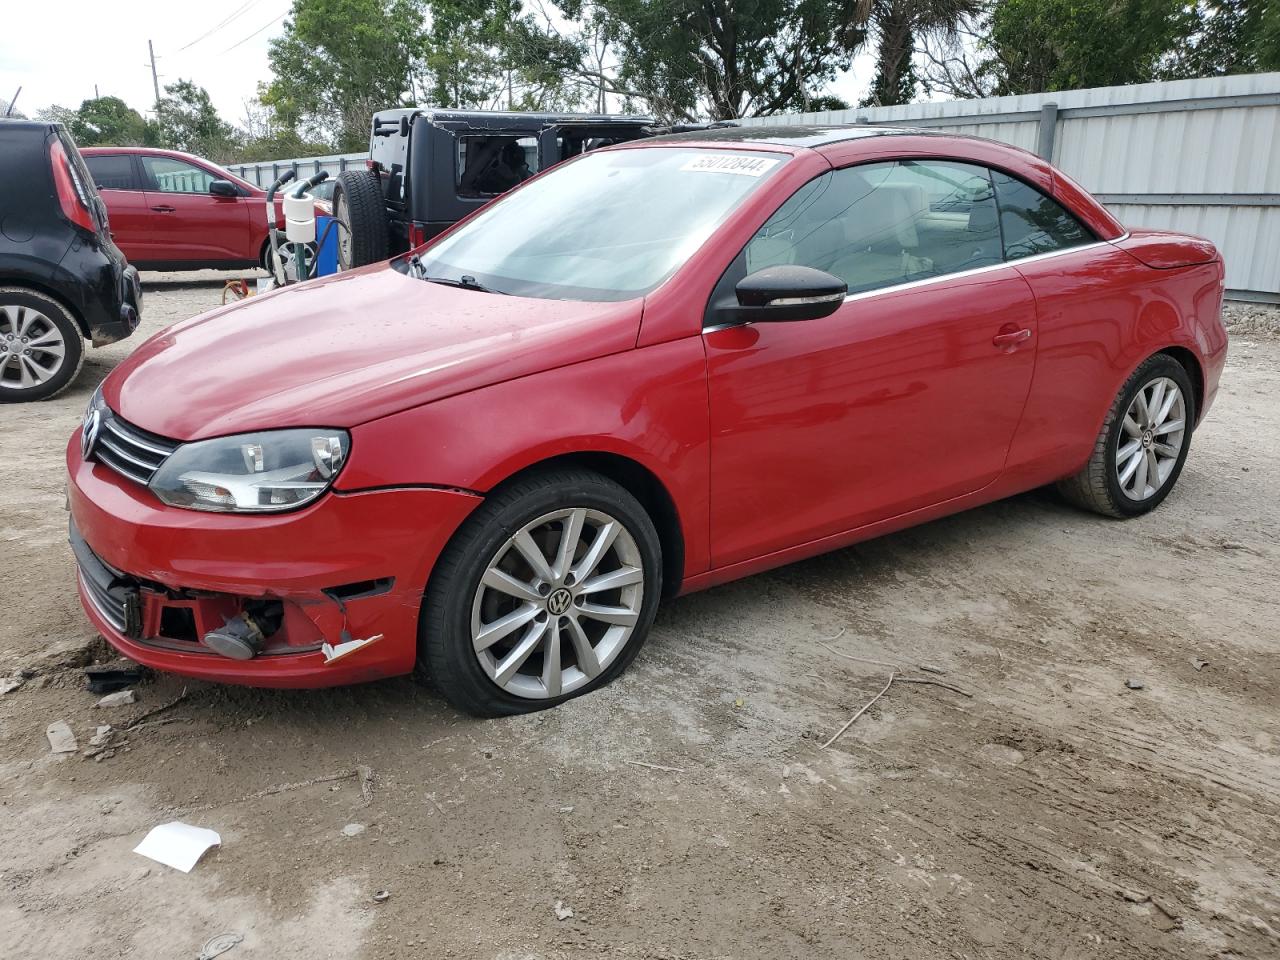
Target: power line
[[243, 8], [272, 22]]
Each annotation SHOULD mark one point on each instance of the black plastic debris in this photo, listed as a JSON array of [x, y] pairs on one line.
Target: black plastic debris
[[108, 677]]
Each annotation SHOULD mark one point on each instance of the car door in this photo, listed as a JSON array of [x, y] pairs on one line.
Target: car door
[[119, 183], [907, 396], [190, 223]]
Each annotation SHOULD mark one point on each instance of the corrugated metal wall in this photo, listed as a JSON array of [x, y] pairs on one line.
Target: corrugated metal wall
[[1199, 156], [265, 173]]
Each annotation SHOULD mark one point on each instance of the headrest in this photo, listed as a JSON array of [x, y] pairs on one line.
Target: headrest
[[887, 215]]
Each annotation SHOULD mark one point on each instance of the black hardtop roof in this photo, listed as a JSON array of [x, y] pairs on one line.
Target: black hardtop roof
[[13, 123], [503, 117], [793, 135]]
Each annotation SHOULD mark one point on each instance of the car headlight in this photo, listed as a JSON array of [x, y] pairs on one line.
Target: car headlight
[[253, 472]]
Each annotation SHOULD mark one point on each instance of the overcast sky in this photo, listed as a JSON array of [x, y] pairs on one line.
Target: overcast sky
[[57, 50]]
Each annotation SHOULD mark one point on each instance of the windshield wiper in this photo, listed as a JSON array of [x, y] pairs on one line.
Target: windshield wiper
[[466, 283]]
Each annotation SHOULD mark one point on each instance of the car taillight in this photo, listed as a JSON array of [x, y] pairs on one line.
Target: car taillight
[[417, 235], [71, 192]]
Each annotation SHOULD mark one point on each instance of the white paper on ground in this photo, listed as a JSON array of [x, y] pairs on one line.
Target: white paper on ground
[[178, 845]]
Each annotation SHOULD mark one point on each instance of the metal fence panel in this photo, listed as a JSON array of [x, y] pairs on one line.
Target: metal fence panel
[[266, 171]]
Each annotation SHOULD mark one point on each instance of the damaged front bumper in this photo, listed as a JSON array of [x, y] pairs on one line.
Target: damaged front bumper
[[155, 579]]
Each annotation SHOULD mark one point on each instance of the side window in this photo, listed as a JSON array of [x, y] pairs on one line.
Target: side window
[[176, 176], [885, 223], [488, 166], [1033, 223], [112, 171]]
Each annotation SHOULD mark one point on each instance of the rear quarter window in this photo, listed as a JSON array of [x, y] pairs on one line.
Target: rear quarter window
[[1033, 223], [113, 172]]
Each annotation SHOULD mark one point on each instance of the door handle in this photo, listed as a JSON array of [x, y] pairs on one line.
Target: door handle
[[1011, 338], [163, 208]]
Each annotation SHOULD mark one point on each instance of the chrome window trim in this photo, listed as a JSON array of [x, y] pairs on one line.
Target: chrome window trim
[[912, 284], [987, 269]]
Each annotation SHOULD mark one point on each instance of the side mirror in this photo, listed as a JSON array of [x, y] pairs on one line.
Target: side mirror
[[223, 188], [783, 293]]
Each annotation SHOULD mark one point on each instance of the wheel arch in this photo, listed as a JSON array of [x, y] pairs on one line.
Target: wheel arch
[[1188, 360], [20, 280], [643, 484]]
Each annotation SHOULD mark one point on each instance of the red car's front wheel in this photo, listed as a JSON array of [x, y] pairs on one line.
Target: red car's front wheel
[[546, 593]]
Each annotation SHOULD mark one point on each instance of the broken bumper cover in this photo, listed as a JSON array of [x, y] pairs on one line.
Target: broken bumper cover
[[153, 579]]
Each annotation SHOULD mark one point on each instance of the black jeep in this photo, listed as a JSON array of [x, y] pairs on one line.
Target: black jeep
[[430, 168]]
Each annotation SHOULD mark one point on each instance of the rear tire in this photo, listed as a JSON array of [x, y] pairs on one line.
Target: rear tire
[[578, 623], [359, 206], [1139, 453], [30, 321]]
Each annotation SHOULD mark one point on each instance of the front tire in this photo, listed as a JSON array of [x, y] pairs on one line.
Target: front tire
[[1143, 444], [41, 348], [546, 593]]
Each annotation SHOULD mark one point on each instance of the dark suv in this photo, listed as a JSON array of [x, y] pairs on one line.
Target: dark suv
[[430, 168], [62, 280]]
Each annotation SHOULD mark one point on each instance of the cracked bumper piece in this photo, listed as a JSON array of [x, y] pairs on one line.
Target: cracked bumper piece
[[155, 579]]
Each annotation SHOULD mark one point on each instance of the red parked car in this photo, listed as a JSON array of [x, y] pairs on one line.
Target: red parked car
[[650, 370], [172, 211]]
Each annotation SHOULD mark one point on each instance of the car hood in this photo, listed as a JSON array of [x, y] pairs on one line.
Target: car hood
[[344, 350]]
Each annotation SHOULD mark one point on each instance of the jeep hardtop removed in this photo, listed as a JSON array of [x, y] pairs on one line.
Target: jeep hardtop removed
[[428, 169]]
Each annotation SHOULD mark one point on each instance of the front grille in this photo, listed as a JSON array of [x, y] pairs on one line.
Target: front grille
[[113, 594], [129, 450]]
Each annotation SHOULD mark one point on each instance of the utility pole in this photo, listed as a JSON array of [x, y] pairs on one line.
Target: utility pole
[[155, 77]]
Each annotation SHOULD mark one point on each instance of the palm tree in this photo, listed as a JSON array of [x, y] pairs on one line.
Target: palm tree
[[898, 25]]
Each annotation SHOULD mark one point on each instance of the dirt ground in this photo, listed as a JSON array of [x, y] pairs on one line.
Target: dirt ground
[[1055, 813]]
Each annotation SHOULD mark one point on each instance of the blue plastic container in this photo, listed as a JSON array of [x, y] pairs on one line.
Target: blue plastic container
[[327, 255]]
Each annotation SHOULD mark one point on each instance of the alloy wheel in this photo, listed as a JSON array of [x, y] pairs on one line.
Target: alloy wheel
[[343, 216], [31, 347], [557, 603], [1154, 430]]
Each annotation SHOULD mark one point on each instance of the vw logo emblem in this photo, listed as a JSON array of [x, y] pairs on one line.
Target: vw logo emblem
[[558, 602], [89, 435]]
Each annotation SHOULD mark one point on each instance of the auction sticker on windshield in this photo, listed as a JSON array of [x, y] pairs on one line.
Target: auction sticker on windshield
[[744, 166]]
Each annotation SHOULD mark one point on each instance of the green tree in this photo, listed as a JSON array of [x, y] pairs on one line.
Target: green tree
[[108, 121], [898, 25], [1040, 45], [482, 53], [1268, 43], [1230, 36], [56, 113], [727, 59], [264, 135], [338, 61], [186, 120]]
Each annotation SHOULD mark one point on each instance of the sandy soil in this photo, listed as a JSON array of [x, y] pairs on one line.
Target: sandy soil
[[1056, 813]]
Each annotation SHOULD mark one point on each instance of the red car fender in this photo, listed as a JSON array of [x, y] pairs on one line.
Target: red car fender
[[646, 406]]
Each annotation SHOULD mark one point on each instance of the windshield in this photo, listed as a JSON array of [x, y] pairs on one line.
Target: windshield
[[610, 226]]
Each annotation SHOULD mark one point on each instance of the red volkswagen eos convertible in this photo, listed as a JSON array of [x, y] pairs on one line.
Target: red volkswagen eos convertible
[[653, 369]]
